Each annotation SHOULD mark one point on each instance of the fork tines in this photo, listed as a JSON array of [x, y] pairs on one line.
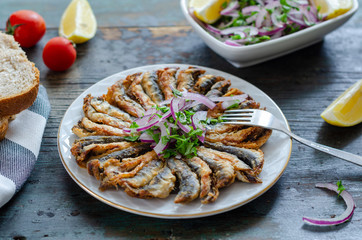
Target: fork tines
[[240, 115]]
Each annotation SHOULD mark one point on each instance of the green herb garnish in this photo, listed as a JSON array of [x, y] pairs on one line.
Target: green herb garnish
[[176, 93], [340, 188], [134, 125], [132, 138]]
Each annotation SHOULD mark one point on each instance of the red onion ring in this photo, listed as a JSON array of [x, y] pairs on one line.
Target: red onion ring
[[250, 9], [195, 121], [145, 137], [198, 97], [230, 9], [212, 29], [160, 146], [232, 43], [345, 216]]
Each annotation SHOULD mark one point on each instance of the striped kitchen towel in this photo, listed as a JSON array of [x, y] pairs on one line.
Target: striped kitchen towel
[[20, 148]]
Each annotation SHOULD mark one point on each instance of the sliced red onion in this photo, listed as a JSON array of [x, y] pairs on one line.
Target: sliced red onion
[[213, 29], [150, 111], [160, 146], [195, 121], [345, 216], [127, 130], [201, 98], [143, 120], [166, 115], [145, 137], [297, 17], [148, 125], [303, 2], [250, 9], [261, 2], [263, 32], [274, 19], [165, 102], [277, 35], [253, 31], [230, 9], [251, 19], [234, 43], [309, 14], [243, 35], [174, 107], [241, 41], [183, 127], [293, 3], [232, 30], [260, 18], [197, 117], [273, 4], [227, 104], [225, 25]]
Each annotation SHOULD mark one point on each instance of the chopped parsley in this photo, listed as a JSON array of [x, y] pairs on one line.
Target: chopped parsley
[[134, 125], [132, 138], [340, 188]]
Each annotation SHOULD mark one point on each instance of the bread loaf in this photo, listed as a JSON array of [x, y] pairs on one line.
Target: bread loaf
[[19, 80]]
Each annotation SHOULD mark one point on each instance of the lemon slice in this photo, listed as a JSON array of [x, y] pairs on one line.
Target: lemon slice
[[78, 22], [346, 110], [207, 11], [333, 8]]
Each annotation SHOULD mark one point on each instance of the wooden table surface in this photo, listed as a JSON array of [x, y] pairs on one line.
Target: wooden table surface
[[131, 34]]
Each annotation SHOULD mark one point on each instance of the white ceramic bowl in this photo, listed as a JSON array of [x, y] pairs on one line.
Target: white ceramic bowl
[[245, 56]]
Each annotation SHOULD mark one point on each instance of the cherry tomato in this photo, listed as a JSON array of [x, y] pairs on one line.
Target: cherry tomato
[[59, 54], [27, 26]]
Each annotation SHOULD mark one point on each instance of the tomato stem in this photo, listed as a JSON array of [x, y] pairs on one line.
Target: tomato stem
[[10, 29]]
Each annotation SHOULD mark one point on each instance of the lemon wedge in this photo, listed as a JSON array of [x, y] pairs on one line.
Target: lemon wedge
[[78, 22], [333, 8], [208, 11], [346, 110]]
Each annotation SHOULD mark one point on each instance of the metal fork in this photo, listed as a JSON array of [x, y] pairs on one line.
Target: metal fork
[[261, 118]]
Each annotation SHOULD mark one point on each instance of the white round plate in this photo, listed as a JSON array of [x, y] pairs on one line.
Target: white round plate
[[277, 152]]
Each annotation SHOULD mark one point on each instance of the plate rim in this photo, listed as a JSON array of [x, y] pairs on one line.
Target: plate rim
[[172, 216]]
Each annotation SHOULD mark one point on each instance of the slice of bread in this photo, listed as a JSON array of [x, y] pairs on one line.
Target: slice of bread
[[19, 81], [19, 78], [4, 122]]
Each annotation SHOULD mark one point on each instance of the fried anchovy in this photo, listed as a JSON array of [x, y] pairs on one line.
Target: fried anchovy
[[83, 152], [135, 90], [250, 137], [98, 139], [102, 106], [223, 170], [145, 175], [113, 176], [217, 90], [254, 158], [189, 188], [159, 187], [116, 95], [166, 80], [97, 129], [208, 192], [99, 117], [204, 83], [96, 166], [186, 78], [150, 86]]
